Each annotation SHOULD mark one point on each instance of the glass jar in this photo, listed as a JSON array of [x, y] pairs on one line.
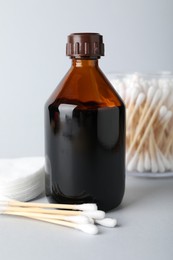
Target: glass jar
[[149, 121]]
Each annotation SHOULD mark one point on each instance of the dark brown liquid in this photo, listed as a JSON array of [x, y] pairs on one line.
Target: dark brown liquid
[[85, 149]]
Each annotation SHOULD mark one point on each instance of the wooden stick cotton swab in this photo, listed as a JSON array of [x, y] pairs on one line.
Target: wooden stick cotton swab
[[107, 222], [84, 206], [75, 219], [87, 227], [143, 119], [82, 220], [140, 99], [97, 214], [150, 107], [153, 117]]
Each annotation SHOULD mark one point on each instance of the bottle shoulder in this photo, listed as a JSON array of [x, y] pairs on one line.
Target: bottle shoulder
[[107, 89], [85, 86]]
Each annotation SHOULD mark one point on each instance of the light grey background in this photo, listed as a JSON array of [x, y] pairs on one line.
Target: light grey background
[[138, 36]]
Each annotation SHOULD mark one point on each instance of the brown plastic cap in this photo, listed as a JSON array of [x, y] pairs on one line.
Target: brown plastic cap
[[85, 45]]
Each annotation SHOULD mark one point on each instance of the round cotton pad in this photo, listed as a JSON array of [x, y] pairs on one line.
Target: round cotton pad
[[22, 178]]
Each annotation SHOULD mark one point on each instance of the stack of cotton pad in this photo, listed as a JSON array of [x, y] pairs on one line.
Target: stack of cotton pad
[[22, 178]]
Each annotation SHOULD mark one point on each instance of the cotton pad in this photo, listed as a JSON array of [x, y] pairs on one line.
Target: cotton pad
[[22, 178]]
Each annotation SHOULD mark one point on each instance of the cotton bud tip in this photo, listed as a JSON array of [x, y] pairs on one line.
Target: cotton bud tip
[[87, 206], [98, 214], [107, 222], [88, 228]]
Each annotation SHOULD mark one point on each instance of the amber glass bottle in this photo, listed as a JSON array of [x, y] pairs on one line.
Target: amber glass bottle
[[85, 131]]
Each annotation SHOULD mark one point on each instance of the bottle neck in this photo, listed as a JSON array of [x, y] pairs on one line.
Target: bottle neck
[[84, 62]]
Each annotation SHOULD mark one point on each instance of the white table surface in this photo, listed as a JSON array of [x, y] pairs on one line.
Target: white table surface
[[145, 230]]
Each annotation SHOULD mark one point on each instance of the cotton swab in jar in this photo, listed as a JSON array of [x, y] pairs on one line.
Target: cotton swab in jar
[[147, 161], [153, 117], [168, 145], [149, 151], [157, 159], [161, 167], [162, 113], [155, 155], [133, 96], [144, 117], [162, 161], [165, 122], [140, 164], [157, 163], [140, 99], [150, 94], [154, 166]]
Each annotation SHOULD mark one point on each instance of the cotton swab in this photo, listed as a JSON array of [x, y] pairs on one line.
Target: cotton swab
[[140, 99], [147, 161], [140, 164], [165, 123], [107, 222], [158, 158], [155, 99], [83, 207], [162, 112], [69, 221], [142, 120], [157, 162], [154, 166], [12, 205], [75, 219], [72, 219], [149, 122], [150, 94], [82, 220], [17, 206], [133, 96], [87, 228], [97, 214]]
